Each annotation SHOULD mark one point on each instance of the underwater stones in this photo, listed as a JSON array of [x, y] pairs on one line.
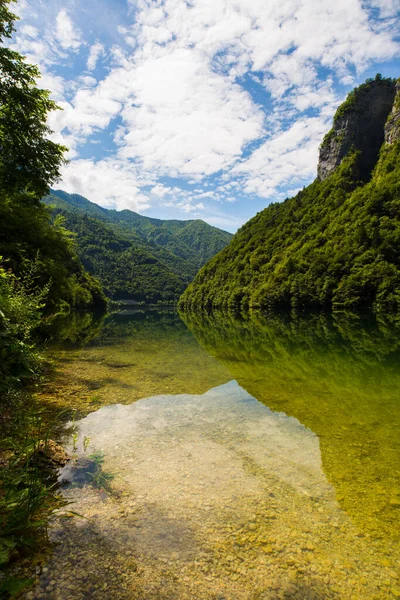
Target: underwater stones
[[308, 547], [52, 453], [394, 502], [206, 552]]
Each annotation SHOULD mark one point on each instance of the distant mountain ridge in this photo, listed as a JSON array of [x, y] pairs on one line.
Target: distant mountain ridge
[[336, 244], [137, 258]]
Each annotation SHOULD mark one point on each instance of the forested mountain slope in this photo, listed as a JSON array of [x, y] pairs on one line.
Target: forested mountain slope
[[42, 255], [335, 244], [135, 257]]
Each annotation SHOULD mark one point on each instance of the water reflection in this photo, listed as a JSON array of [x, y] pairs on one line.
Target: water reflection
[[340, 378], [74, 328], [133, 355], [262, 463], [212, 495]]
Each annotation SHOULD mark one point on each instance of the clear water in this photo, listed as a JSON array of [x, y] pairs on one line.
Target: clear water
[[229, 460]]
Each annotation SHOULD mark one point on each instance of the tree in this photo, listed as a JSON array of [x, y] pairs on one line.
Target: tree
[[29, 160], [29, 163]]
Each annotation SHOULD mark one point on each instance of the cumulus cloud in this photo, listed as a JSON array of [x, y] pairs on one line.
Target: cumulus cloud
[[96, 51], [185, 117], [66, 34], [285, 159], [107, 182], [232, 95]]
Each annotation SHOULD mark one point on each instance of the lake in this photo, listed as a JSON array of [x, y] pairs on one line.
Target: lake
[[227, 459]]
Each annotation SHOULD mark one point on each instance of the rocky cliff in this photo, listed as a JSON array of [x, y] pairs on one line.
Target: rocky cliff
[[392, 127], [359, 123], [336, 244]]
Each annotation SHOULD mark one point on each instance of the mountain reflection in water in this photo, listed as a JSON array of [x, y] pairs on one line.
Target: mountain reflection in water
[[340, 378], [260, 463]]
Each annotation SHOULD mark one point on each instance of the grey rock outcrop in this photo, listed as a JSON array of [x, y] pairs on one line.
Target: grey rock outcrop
[[392, 127], [359, 123]]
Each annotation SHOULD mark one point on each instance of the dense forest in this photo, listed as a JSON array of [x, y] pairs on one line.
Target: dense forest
[[336, 244], [135, 257]]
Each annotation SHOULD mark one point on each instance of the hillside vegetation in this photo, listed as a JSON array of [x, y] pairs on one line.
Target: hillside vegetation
[[135, 257], [336, 244]]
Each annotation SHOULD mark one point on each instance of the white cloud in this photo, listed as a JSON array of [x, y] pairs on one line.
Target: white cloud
[[160, 191], [66, 34], [175, 99], [189, 117], [29, 31], [286, 159], [387, 8], [110, 183], [96, 51], [185, 118], [187, 207]]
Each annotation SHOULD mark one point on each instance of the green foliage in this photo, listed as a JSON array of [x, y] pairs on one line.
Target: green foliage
[[27, 237], [126, 270], [335, 244], [27, 495], [39, 272], [328, 138], [20, 315], [137, 258], [7, 19], [12, 587], [29, 163], [25, 491], [99, 478], [29, 160]]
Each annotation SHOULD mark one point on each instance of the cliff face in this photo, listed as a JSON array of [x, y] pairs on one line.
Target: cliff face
[[336, 244], [360, 123], [392, 128]]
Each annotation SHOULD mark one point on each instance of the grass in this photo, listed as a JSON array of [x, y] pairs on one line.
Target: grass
[[28, 494]]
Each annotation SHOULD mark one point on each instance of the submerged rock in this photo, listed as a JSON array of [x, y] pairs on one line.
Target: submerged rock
[[50, 452]]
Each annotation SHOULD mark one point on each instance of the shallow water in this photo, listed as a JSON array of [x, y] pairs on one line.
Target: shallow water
[[261, 461]]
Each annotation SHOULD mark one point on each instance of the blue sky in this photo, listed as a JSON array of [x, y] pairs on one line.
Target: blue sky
[[205, 109]]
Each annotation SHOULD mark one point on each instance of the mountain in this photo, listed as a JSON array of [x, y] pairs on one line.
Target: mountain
[[137, 258], [336, 244], [42, 257]]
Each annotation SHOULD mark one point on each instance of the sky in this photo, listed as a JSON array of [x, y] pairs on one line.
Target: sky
[[209, 109]]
